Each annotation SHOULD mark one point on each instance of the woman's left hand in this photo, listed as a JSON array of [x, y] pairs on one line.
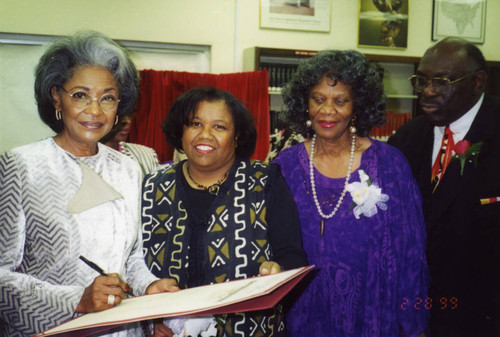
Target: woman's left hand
[[269, 267], [162, 286]]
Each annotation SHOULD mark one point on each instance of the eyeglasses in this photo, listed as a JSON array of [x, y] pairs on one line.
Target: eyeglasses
[[439, 84], [80, 99]]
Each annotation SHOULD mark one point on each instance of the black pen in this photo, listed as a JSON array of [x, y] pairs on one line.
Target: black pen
[[101, 272]]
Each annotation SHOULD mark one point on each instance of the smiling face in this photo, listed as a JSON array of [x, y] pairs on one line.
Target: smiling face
[[448, 61], [330, 108], [84, 127], [209, 140]]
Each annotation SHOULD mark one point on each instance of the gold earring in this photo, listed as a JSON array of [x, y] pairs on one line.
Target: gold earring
[[352, 128], [116, 120], [309, 123], [58, 115]]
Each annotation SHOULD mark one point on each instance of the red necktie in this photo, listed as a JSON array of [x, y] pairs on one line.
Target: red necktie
[[443, 158]]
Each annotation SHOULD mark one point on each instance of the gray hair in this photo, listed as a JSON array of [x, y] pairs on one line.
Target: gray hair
[[87, 48]]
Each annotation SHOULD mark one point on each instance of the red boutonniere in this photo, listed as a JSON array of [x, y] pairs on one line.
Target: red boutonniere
[[465, 151]]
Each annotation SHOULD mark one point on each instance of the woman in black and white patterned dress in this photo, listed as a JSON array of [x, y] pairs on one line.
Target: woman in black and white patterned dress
[[69, 196]]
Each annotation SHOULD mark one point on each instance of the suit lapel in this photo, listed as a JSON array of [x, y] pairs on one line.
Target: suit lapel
[[423, 176], [452, 184], [449, 188]]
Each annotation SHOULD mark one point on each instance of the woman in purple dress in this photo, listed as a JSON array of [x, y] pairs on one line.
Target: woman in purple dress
[[359, 207]]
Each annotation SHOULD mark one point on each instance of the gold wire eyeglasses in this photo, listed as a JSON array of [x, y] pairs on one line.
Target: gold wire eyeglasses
[[81, 99]]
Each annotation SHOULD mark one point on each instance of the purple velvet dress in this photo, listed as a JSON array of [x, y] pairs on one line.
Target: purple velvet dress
[[372, 273]]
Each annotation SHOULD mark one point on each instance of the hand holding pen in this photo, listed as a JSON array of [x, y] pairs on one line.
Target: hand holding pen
[[105, 291], [98, 269], [109, 290]]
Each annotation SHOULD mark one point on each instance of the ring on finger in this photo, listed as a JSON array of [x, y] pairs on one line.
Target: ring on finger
[[111, 299]]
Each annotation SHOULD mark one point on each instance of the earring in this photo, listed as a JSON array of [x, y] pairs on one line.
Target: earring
[[352, 128], [116, 120], [58, 115], [309, 123]]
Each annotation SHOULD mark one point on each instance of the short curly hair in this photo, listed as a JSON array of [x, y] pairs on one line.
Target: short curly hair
[[349, 67], [182, 112], [83, 49]]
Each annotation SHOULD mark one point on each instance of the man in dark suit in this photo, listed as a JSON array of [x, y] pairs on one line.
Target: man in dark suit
[[462, 233]]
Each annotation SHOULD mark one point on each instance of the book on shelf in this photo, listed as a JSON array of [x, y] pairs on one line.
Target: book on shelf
[[393, 121], [250, 294], [279, 74]]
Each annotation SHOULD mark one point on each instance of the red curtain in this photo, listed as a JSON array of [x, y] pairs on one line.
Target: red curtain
[[159, 89]]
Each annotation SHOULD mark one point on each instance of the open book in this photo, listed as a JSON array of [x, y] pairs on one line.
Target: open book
[[255, 293]]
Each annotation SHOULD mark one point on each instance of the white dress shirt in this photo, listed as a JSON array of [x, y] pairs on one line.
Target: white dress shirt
[[460, 127]]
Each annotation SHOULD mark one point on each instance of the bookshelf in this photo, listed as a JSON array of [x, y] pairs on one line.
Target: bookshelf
[[281, 64]]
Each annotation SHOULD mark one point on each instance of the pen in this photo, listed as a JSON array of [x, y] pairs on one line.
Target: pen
[[487, 201], [100, 271]]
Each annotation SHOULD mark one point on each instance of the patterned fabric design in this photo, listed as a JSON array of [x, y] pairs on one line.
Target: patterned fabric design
[[280, 140], [234, 236], [145, 156], [41, 277], [372, 270]]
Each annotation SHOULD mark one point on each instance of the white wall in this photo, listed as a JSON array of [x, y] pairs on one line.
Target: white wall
[[205, 22], [20, 123], [230, 27]]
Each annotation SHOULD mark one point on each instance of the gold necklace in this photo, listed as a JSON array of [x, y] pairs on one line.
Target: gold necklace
[[212, 189]]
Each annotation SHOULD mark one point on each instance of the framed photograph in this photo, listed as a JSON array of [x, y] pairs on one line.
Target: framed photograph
[[465, 19], [311, 15], [383, 23]]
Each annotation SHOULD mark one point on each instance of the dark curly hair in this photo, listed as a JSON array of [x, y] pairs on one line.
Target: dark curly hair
[[349, 67], [182, 112], [87, 48]]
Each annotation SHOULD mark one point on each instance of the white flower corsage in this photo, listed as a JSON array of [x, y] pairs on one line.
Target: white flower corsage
[[196, 326], [367, 196]]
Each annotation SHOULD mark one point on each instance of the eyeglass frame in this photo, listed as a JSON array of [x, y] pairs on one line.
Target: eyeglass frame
[[91, 99], [448, 86]]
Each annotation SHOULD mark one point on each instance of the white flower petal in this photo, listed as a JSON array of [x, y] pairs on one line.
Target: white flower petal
[[366, 197], [357, 211], [382, 206], [363, 176]]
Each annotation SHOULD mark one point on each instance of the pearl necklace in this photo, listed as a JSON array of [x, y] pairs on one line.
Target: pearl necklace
[[313, 186]]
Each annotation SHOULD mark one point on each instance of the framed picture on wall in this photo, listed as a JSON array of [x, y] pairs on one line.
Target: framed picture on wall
[[383, 23], [311, 15], [465, 19]]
